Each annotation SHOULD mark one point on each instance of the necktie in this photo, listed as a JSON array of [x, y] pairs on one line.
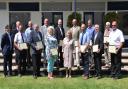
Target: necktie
[[95, 37], [61, 31], [22, 37], [82, 38]]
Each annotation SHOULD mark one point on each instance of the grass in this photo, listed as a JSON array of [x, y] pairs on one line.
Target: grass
[[27, 82]]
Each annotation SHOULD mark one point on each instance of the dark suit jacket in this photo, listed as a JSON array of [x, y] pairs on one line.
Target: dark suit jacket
[[13, 32], [32, 41], [6, 46], [98, 41], [58, 34]]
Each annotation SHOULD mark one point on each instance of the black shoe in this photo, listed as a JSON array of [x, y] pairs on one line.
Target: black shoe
[[35, 76], [19, 75], [116, 78], [98, 77], [5, 75]]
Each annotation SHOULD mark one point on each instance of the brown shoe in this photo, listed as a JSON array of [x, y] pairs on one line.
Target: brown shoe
[[85, 77]]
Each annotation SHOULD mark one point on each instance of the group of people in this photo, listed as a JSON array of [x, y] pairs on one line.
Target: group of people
[[75, 48]]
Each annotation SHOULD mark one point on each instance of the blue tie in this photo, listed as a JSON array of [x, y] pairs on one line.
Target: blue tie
[[82, 38]]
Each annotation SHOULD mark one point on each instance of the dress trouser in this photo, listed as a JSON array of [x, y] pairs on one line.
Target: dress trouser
[[85, 61], [60, 56], [8, 63], [36, 62], [21, 61], [97, 63], [107, 56], [28, 57], [116, 64]]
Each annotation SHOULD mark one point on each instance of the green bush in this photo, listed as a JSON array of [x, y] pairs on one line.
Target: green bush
[[74, 16]]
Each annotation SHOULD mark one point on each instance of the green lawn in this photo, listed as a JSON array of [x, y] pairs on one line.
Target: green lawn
[[27, 82]]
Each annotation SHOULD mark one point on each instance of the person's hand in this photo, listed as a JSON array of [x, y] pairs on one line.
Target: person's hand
[[20, 49], [37, 48], [98, 51]]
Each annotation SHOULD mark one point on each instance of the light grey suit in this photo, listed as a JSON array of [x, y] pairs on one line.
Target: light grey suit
[[75, 35], [43, 30]]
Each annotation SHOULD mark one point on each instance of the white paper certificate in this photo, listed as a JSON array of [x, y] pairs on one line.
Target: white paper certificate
[[39, 45], [76, 43], [23, 46], [112, 49], [54, 51], [95, 48], [106, 39], [83, 48], [60, 42]]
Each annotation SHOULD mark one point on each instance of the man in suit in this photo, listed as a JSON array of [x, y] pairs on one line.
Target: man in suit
[[35, 36], [75, 35], [43, 30], [60, 34], [7, 50], [97, 39]]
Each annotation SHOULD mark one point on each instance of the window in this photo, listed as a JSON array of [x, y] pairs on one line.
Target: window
[[23, 6]]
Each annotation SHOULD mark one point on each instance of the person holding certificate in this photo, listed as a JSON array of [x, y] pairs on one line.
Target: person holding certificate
[[21, 47], [36, 46], [60, 34], [68, 47], [7, 51], [97, 40], [51, 51], [106, 44], [115, 48], [84, 40]]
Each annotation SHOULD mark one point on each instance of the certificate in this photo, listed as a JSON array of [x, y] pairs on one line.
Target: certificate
[[106, 39], [23, 46], [39, 45], [54, 51], [76, 43], [95, 48], [112, 49], [83, 48], [60, 42]]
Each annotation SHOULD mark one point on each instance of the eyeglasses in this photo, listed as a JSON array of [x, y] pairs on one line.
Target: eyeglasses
[[113, 25]]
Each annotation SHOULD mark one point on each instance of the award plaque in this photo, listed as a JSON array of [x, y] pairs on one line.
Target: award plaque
[[95, 48], [112, 49], [106, 39], [83, 48], [60, 42], [54, 51], [39, 45], [23, 46], [76, 43]]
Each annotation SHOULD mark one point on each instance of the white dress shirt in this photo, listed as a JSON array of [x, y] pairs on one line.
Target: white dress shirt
[[116, 38]]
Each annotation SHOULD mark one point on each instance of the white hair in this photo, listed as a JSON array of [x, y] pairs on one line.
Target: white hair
[[51, 27], [108, 23]]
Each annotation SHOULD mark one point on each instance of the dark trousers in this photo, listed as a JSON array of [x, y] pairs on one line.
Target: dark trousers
[[28, 57], [21, 61], [97, 63], [36, 61], [85, 63], [8, 63], [60, 56], [116, 64]]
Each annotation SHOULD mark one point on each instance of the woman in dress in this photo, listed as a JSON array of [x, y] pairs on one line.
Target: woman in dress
[[51, 51], [68, 53]]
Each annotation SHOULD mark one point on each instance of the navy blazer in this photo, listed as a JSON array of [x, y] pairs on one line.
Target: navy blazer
[[98, 41], [58, 34], [7, 48], [32, 41]]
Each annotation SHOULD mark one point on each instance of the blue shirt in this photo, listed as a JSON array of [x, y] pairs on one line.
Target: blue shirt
[[90, 30], [27, 33], [84, 37]]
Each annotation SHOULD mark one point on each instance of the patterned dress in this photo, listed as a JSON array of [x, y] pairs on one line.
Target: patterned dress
[[68, 52], [51, 43]]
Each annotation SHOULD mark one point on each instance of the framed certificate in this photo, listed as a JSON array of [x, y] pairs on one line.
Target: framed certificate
[[54, 51], [106, 39], [60, 42], [39, 45], [112, 49], [76, 43], [95, 48], [23, 46], [83, 48]]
